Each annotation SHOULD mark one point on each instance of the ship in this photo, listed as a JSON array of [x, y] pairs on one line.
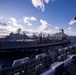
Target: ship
[[21, 42]]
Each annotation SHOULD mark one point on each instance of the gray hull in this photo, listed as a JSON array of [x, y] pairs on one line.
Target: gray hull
[[12, 45]]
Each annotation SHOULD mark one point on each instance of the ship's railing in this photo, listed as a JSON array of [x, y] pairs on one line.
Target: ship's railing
[[34, 67]]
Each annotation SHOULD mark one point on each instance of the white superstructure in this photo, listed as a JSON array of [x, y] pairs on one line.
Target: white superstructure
[[60, 36]]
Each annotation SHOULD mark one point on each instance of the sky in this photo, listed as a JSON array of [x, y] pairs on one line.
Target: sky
[[36, 16]]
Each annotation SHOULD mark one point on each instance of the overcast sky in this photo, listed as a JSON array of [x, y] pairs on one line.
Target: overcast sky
[[35, 16]]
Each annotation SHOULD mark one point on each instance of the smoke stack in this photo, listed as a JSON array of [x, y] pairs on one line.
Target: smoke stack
[[62, 30]]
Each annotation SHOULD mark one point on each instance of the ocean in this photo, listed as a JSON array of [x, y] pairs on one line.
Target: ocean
[[73, 39]]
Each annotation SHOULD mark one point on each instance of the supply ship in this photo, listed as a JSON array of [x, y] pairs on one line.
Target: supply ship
[[21, 42]]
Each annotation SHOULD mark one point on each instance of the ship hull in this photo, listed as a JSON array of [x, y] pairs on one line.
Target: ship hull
[[9, 46]]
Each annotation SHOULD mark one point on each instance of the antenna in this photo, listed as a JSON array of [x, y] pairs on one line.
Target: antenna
[[18, 31]]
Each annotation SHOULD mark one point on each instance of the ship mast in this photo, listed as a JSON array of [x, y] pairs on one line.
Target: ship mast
[[18, 31]]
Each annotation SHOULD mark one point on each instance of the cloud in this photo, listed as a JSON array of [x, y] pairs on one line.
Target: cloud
[[57, 27], [11, 28], [40, 3], [69, 31], [72, 21], [3, 24], [48, 31], [28, 19], [1, 17], [13, 20], [3, 32], [3, 29], [37, 31], [43, 26], [69, 28], [33, 19], [14, 24]]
